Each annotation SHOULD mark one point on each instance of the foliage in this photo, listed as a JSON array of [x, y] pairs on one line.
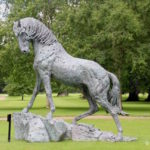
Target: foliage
[[16, 68], [105, 32], [113, 33]]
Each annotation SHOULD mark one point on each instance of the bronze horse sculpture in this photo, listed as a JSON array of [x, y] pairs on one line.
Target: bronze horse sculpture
[[52, 59]]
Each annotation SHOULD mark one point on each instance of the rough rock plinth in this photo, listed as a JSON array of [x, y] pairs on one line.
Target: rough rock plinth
[[34, 128]]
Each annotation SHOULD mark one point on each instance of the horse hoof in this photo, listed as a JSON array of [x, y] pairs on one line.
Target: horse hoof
[[52, 109], [119, 137], [25, 110], [124, 113], [49, 116], [74, 122]]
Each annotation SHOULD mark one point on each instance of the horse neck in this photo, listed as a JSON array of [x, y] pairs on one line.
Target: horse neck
[[38, 46]]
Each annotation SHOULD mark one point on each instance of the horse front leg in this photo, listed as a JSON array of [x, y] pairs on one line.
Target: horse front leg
[[35, 92], [47, 85]]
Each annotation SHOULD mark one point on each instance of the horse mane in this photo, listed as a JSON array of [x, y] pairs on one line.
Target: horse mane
[[35, 30]]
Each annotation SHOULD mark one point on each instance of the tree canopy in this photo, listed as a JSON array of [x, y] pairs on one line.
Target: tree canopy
[[115, 34]]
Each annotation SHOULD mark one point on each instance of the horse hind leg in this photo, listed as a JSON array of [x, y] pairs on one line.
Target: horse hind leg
[[114, 113], [92, 104]]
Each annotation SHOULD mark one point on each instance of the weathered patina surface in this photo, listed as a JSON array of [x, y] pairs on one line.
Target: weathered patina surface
[[52, 59]]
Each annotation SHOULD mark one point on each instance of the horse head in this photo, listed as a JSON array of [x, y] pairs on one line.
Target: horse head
[[22, 35]]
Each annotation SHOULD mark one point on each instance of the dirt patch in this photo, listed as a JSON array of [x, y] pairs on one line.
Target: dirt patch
[[3, 119], [96, 117], [2, 98], [105, 117]]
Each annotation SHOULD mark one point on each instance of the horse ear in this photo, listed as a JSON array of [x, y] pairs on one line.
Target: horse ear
[[19, 24]]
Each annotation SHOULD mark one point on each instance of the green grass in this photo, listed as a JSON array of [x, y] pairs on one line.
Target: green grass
[[72, 106], [67, 106], [136, 128]]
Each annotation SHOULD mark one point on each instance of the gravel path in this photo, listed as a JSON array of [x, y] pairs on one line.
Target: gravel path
[[2, 97], [106, 117], [96, 117]]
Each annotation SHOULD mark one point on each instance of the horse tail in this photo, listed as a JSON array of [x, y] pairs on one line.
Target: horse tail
[[114, 93]]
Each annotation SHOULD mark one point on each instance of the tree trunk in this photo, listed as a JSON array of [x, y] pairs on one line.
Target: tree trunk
[[133, 90], [148, 97], [133, 96], [22, 97], [83, 97], [64, 93]]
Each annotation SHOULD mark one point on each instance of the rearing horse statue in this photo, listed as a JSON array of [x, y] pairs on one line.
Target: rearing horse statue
[[52, 59]]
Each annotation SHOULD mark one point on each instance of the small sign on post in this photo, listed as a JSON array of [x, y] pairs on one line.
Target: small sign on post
[[9, 126]]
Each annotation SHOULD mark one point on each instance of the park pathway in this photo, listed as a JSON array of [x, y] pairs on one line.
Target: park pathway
[[105, 117], [96, 117], [3, 97]]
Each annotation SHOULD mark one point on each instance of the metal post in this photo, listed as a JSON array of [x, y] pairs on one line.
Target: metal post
[[9, 126]]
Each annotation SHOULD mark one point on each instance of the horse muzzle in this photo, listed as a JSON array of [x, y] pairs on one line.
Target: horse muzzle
[[25, 51]]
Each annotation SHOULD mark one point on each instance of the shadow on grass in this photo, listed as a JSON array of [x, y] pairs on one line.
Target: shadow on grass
[[138, 109], [136, 102]]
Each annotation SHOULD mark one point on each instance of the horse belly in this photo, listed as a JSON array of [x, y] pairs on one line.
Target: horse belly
[[75, 71], [67, 76]]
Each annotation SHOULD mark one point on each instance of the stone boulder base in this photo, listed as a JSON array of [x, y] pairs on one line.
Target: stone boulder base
[[34, 128]]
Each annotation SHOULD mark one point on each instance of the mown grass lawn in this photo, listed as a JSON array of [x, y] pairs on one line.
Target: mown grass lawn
[[136, 128], [66, 106], [71, 106]]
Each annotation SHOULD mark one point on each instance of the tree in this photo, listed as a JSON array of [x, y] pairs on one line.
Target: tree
[[141, 59], [113, 33], [16, 68], [102, 31], [18, 72]]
